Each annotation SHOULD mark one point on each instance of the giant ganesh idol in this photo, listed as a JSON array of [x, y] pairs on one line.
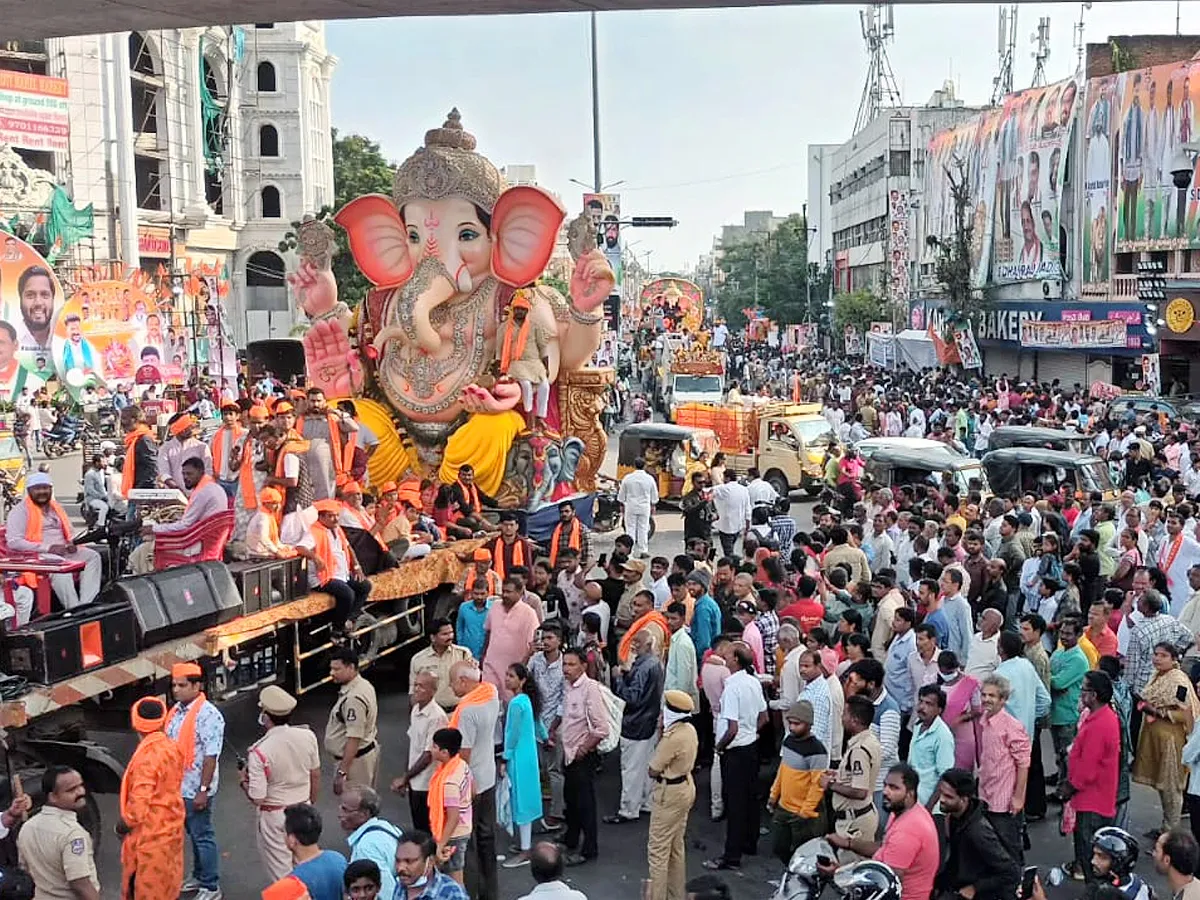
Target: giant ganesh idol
[[459, 356]]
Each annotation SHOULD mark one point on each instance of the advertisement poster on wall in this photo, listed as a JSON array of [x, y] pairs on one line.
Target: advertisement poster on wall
[[854, 341], [33, 112], [605, 210], [1153, 116], [1151, 373], [966, 151], [899, 256], [1031, 162], [1097, 184], [968, 349]]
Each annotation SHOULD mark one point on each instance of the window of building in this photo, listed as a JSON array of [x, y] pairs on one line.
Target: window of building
[[267, 82], [264, 269], [148, 182], [1123, 263], [900, 163], [272, 206], [268, 141]]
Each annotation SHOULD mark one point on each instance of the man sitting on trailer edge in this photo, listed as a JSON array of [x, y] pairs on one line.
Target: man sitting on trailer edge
[[40, 524], [335, 569]]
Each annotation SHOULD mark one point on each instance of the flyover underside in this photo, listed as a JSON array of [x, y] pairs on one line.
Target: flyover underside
[[25, 20]]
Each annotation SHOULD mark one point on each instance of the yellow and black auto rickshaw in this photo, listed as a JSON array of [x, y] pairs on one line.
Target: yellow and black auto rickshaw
[[671, 452]]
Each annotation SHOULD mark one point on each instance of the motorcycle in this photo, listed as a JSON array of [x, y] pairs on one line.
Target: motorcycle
[[864, 880], [66, 435]]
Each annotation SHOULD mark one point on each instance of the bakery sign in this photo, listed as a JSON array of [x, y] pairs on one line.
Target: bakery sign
[[1099, 333]]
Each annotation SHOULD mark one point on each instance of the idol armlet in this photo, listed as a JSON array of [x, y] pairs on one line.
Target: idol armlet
[[584, 318]]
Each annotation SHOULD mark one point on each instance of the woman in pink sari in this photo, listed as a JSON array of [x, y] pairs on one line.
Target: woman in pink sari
[[963, 708]]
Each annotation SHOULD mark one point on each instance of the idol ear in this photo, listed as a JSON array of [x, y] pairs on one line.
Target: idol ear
[[525, 223], [378, 239]]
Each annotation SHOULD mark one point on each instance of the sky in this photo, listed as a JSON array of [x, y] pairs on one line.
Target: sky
[[703, 113]]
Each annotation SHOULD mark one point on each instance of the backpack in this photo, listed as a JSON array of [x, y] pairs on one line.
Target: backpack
[[616, 711]]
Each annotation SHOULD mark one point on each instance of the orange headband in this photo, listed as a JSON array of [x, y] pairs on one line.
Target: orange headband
[[182, 424], [186, 670], [143, 724]]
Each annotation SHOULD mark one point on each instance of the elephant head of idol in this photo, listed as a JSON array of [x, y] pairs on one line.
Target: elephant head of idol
[[449, 245]]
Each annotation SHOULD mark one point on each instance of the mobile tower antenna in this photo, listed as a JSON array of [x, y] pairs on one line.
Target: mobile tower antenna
[[1080, 44], [1042, 40], [1002, 84], [880, 89]]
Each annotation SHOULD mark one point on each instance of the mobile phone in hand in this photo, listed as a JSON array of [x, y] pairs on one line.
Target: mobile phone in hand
[[1028, 874]]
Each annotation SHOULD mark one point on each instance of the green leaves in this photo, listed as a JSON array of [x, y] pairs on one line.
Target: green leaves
[[858, 308], [770, 271], [359, 167]]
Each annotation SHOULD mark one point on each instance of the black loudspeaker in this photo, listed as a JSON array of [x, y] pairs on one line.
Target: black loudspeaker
[[264, 583], [66, 644], [180, 601]]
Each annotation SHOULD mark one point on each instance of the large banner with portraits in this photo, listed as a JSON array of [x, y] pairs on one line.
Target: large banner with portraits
[[31, 299], [1031, 142], [1152, 116], [967, 151], [605, 210], [1097, 183]]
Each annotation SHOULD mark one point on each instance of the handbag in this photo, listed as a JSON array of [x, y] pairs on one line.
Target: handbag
[[504, 816], [615, 707]]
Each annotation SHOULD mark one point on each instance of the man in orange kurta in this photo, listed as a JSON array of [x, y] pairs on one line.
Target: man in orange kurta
[[152, 812]]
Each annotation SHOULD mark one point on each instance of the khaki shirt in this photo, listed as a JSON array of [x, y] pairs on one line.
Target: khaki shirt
[[428, 661], [56, 850], [675, 754], [859, 768], [278, 766], [353, 716]]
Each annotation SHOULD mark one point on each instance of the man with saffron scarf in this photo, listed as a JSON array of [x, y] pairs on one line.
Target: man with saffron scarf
[[471, 500], [332, 436], [182, 445], [198, 727], [152, 811], [481, 571], [233, 456], [570, 532], [206, 498], [475, 718], [287, 472], [645, 617], [40, 524], [509, 549], [262, 534], [140, 469], [533, 364], [451, 791], [334, 568], [363, 532]]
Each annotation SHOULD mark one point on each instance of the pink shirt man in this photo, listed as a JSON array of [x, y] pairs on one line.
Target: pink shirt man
[[584, 716], [1004, 749], [510, 634], [911, 843]]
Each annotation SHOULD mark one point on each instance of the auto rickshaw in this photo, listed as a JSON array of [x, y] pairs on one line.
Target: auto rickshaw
[[897, 466], [671, 452], [1021, 470], [1045, 438]]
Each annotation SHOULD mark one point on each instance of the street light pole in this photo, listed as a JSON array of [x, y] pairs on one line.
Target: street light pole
[[595, 111]]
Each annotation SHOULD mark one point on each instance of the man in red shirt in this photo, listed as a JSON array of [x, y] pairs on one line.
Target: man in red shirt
[[1098, 633], [1094, 765], [910, 844], [808, 610]]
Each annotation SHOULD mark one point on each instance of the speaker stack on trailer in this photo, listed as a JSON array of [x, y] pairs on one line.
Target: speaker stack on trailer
[[176, 602], [65, 644], [264, 583]]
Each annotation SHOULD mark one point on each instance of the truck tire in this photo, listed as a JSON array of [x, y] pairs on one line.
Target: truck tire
[[778, 481], [813, 488]]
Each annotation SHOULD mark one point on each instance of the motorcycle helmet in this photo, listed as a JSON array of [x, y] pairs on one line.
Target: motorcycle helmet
[[867, 880], [802, 881], [1119, 846]]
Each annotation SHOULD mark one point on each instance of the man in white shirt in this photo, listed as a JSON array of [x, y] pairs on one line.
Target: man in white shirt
[[732, 502], [660, 566], [985, 645], [1191, 480], [262, 533], [638, 495], [39, 524], [425, 717], [182, 445], [1177, 554], [743, 711], [760, 491]]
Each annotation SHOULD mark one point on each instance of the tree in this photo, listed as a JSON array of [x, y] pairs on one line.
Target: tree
[[858, 308], [953, 268], [359, 167], [768, 271]]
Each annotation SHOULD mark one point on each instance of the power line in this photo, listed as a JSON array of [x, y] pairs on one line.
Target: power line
[[732, 177]]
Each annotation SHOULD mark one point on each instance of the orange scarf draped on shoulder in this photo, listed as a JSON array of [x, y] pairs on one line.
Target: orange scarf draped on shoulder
[[342, 453], [292, 443], [245, 470], [509, 352], [493, 581], [364, 523], [451, 770], [484, 692], [518, 555], [625, 648], [323, 547], [35, 520], [471, 496], [187, 731], [574, 539], [130, 464]]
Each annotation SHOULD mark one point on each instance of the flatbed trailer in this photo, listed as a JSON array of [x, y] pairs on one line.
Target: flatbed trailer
[[287, 643]]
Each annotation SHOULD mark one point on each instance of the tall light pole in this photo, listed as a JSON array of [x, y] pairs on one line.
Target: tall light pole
[[596, 180]]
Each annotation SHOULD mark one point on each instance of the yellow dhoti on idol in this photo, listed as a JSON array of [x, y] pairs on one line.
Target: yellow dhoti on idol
[[482, 441]]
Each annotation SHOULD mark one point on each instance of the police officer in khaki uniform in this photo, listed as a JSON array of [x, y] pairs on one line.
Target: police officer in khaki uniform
[[283, 767], [53, 847], [852, 786], [672, 797], [350, 735]]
